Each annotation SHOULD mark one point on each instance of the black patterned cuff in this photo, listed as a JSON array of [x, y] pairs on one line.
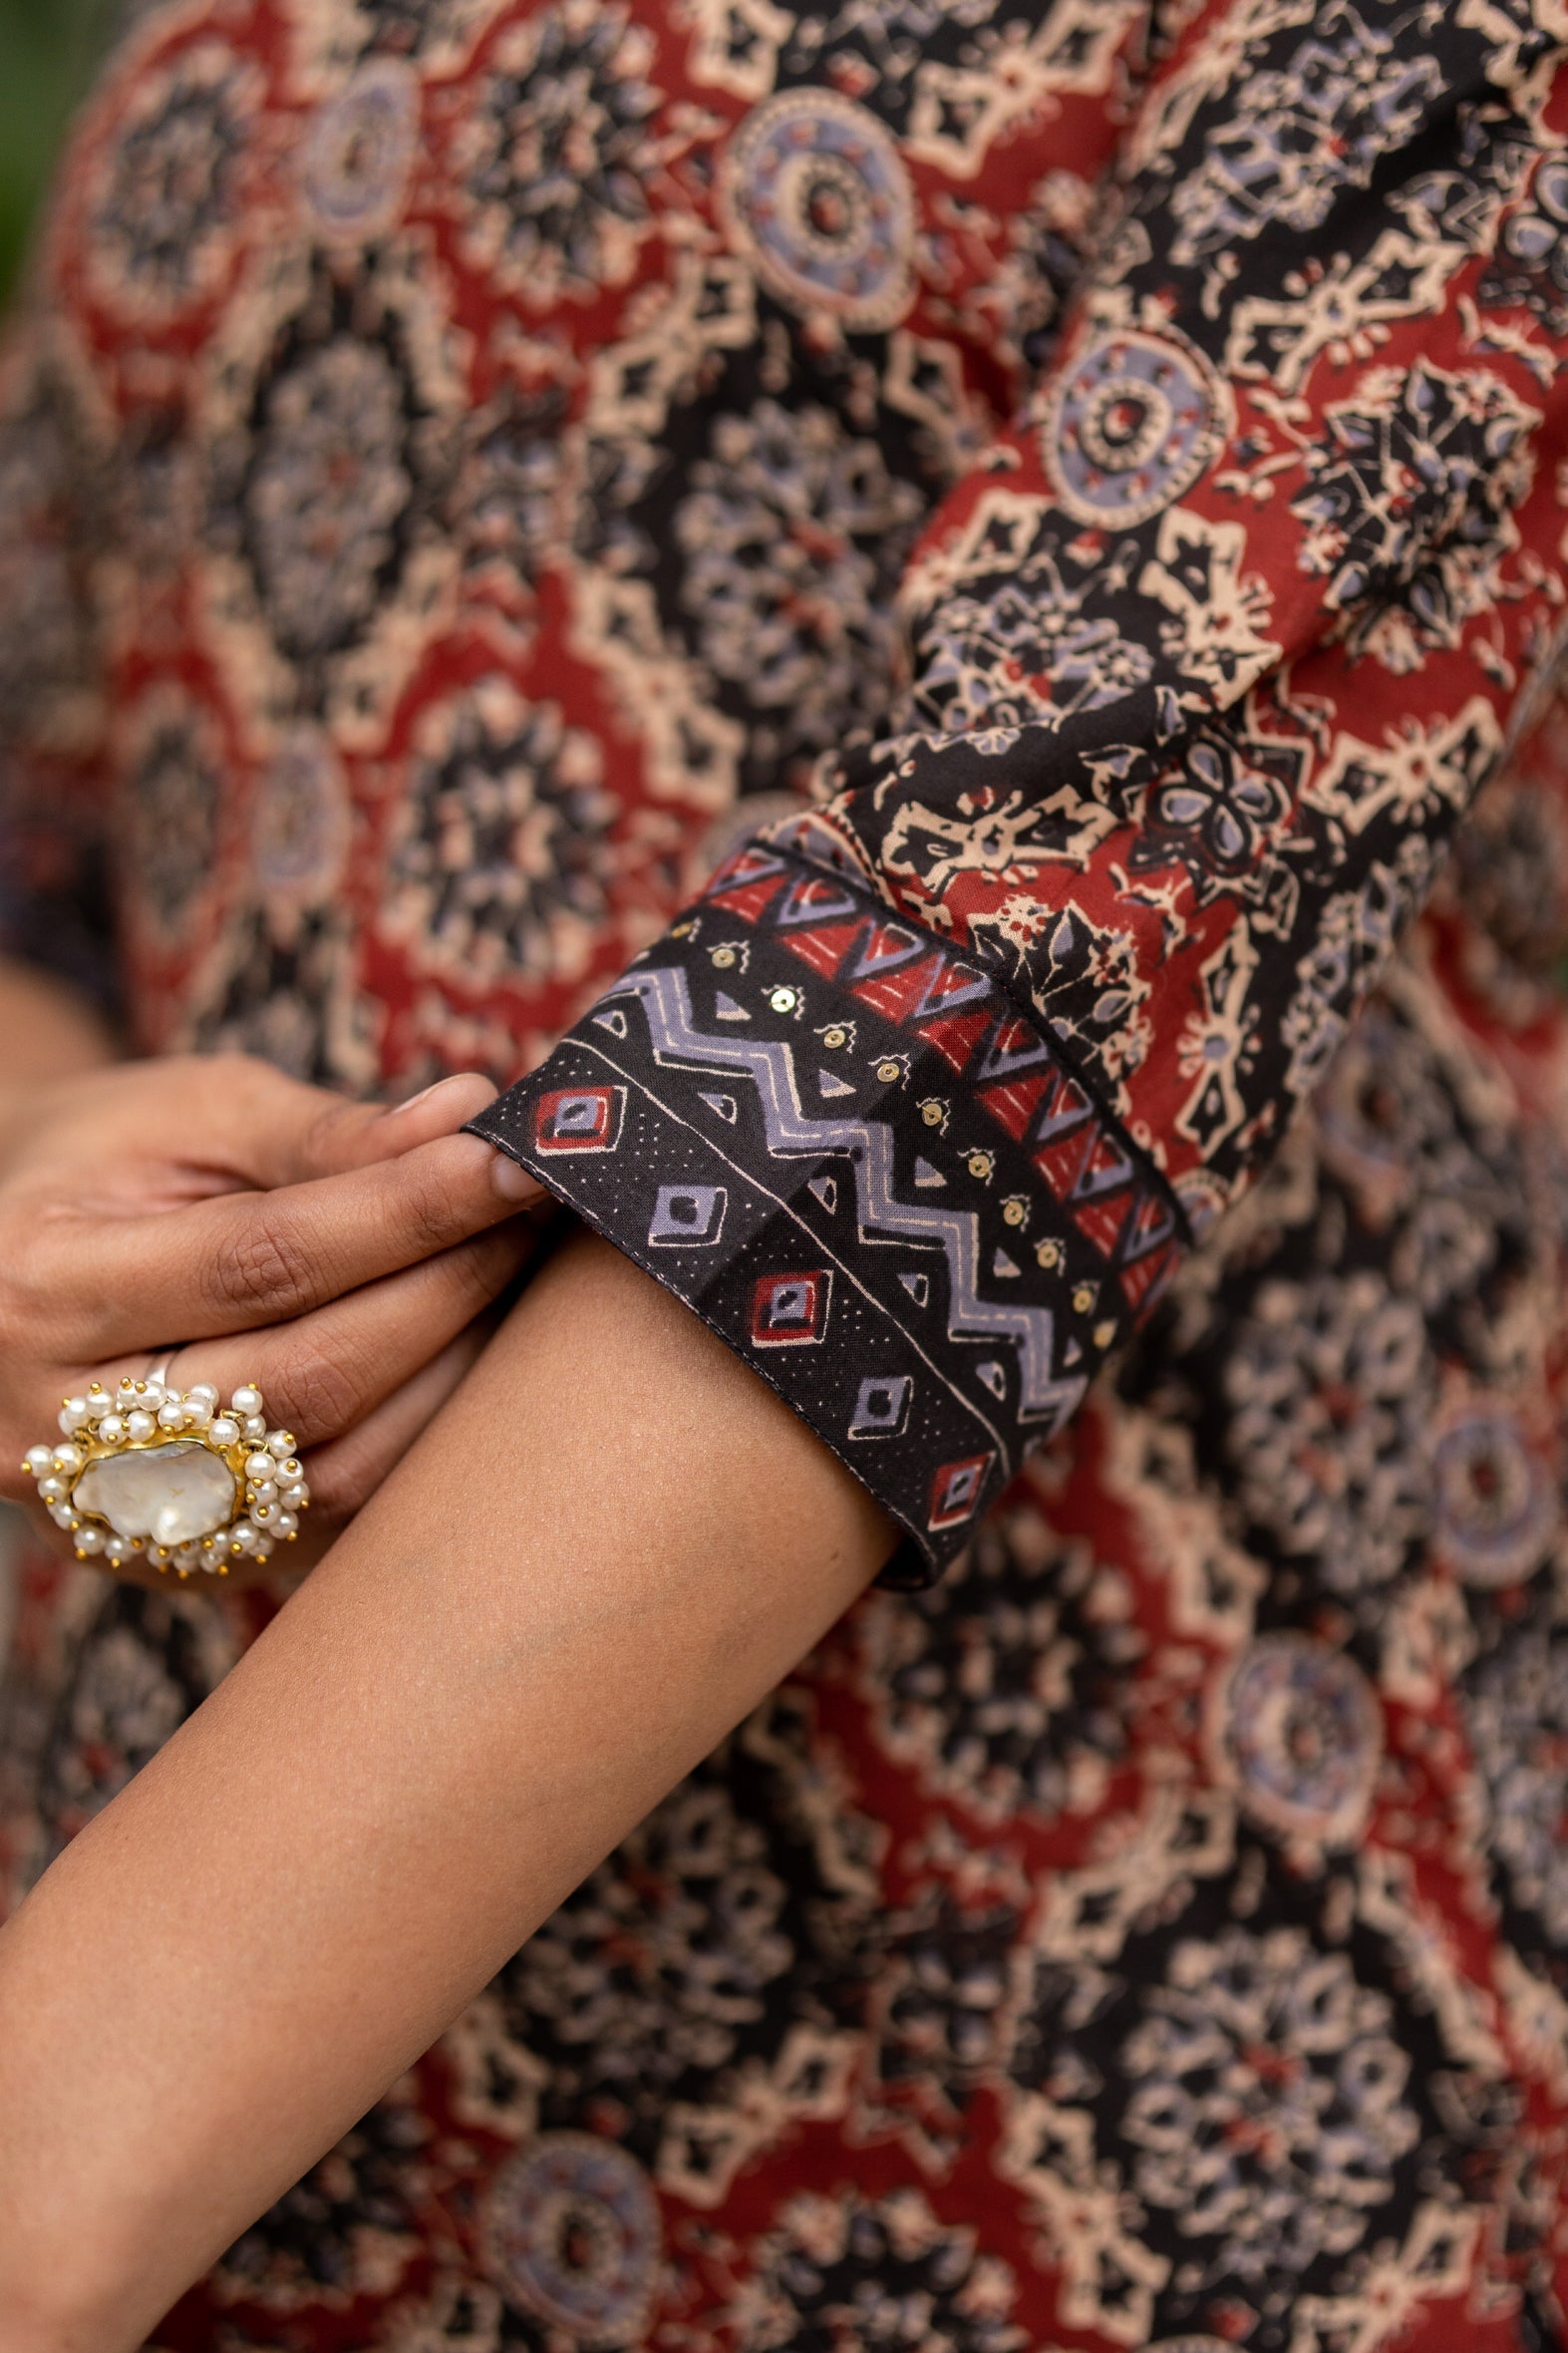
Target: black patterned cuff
[[869, 1171]]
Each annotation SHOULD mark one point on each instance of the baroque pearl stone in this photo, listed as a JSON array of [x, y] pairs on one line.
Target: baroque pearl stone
[[173, 1494]]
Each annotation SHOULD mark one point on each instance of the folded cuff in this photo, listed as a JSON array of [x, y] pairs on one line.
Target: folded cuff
[[868, 1169]]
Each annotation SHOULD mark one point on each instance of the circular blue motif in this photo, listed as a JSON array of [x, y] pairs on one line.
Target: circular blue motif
[[817, 192], [1304, 1732], [300, 831], [1130, 427], [570, 2232], [359, 151], [1494, 1500]]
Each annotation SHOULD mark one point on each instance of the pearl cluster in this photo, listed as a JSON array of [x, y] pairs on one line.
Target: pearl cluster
[[139, 1417]]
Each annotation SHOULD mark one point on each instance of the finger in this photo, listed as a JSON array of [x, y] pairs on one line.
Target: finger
[[228, 1120], [333, 1372], [326, 1372], [346, 1474], [379, 1134], [239, 1261], [234, 1121], [285, 1133]]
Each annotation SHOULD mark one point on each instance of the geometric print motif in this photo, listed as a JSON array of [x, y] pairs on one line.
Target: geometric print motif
[[869, 1171]]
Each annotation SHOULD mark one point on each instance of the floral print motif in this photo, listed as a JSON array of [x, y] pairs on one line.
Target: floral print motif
[[572, 2231], [1516, 1713], [1344, 95], [1301, 1724], [791, 531], [502, 840], [164, 209], [820, 195], [557, 154], [1335, 1372], [1001, 1685], [328, 478], [174, 803], [1267, 2113], [1423, 459], [889, 2273]]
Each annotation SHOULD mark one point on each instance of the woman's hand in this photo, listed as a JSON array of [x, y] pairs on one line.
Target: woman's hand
[[250, 1229]]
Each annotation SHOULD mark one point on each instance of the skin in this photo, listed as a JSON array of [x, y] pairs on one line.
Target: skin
[[610, 1522], [247, 1228]]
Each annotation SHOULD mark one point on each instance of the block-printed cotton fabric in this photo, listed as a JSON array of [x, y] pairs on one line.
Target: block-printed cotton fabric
[[906, 603]]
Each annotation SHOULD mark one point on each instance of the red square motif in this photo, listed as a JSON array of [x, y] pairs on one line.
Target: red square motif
[[791, 1310], [956, 1489], [580, 1118]]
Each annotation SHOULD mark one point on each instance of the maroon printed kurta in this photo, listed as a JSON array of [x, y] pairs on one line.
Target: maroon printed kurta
[[1064, 511]]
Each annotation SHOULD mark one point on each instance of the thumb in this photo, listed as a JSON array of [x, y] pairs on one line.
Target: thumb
[[355, 1135]]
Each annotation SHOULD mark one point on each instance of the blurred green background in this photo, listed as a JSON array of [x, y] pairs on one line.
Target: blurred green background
[[46, 52], [47, 49]]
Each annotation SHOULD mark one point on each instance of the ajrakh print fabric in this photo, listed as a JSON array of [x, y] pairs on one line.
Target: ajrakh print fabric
[[908, 603], [1210, 653]]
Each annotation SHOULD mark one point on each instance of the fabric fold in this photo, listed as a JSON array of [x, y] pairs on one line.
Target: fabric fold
[[872, 1172], [1209, 652]]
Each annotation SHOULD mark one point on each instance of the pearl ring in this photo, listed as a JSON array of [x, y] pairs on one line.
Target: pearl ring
[[161, 1472]]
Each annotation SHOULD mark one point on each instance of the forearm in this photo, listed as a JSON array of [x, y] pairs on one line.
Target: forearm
[[607, 1548]]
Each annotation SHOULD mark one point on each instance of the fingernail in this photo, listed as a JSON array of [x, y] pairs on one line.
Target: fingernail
[[424, 1094], [390, 1111], [511, 1181]]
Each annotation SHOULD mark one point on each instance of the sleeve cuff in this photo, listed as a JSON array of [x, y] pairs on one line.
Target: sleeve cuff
[[868, 1169]]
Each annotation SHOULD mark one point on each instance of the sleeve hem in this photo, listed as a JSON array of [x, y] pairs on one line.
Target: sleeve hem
[[845, 1147]]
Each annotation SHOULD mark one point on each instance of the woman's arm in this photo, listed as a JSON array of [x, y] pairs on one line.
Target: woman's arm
[[610, 1545]]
